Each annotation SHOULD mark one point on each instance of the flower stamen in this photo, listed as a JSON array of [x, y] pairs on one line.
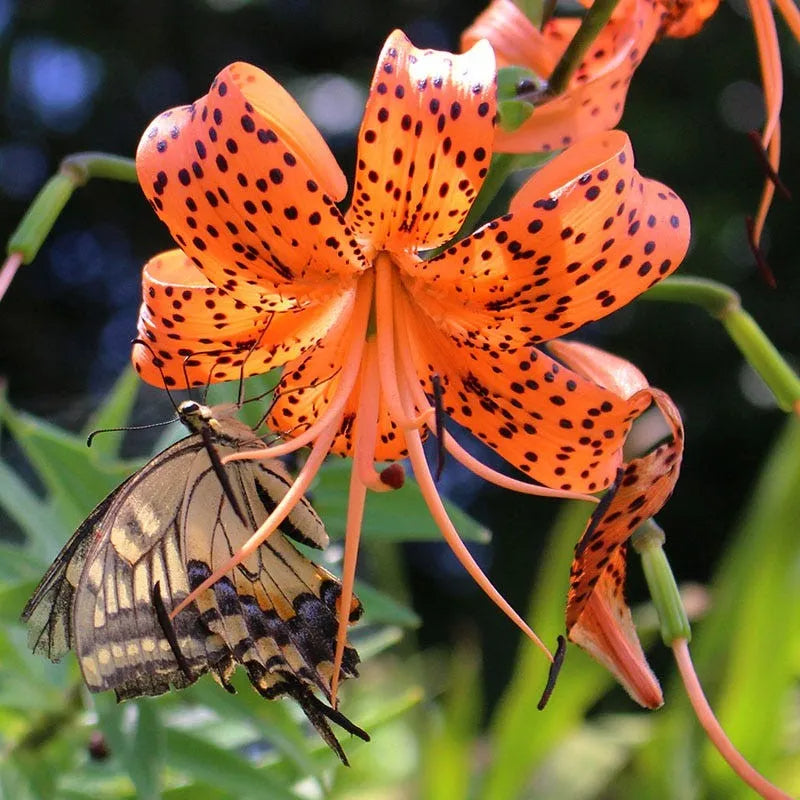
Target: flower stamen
[[437, 510], [386, 293]]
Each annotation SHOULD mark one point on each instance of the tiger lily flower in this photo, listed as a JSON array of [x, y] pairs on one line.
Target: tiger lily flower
[[271, 272], [598, 617], [595, 96]]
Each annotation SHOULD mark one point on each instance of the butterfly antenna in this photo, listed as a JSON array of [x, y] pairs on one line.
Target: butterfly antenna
[[157, 364], [90, 437], [555, 668], [169, 632]]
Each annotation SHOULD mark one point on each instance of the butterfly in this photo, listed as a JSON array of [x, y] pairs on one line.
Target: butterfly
[[159, 535]]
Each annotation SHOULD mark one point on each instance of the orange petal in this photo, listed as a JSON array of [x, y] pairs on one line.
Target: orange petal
[[246, 186], [424, 146], [192, 325], [595, 97], [610, 371], [515, 39], [606, 631], [598, 618], [586, 234], [686, 17], [557, 427]]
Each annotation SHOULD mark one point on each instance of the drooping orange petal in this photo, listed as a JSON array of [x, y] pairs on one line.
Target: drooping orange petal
[[515, 39], [686, 17], [598, 618], [199, 331], [424, 146], [557, 427], [246, 186], [606, 631], [595, 97], [586, 234], [646, 485]]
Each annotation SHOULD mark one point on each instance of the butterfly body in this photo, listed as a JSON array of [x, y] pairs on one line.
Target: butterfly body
[[159, 535]]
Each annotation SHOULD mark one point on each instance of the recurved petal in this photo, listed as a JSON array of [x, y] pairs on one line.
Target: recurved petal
[[515, 39], [594, 100], [246, 186], [424, 146], [558, 428], [606, 631], [199, 331], [598, 617], [585, 236]]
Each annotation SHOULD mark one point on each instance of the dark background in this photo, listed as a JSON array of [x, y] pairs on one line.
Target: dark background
[[90, 76]]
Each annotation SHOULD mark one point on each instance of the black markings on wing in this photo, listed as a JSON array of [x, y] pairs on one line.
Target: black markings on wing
[[159, 535]]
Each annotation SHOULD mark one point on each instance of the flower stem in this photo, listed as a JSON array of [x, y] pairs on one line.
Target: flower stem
[[8, 271], [724, 304], [534, 10], [648, 541], [596, 18], [705, 715], [73, 172]]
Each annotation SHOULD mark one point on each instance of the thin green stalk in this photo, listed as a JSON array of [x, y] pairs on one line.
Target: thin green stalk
[[534, 10], [595, 20], [724, 304], [74, 171], [648, 541]]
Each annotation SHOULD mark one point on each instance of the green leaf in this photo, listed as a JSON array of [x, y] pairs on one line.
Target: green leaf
[[382, 609], [391, 516], [509, 80], [37, 519], [448, 748], [745, 649], [513, 113], [136, 738], [221, 768], [64, 465], [113, 413], [520, 734]]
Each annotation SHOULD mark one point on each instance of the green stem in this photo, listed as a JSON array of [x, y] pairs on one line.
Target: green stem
[[724, 304], [595, 20], [648, 541], [46, 207], [534, 10]]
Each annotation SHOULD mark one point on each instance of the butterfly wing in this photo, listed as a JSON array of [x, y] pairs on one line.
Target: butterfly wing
[[121, 641], [48, 613], [277, 612], [162, 532]]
